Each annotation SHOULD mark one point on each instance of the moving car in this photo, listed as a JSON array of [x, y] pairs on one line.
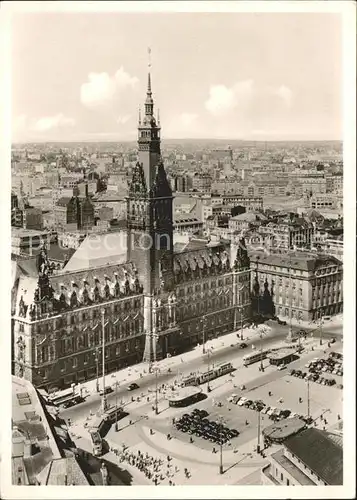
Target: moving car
[[243, 345], [107, 390], [281, 367], [133, 386]]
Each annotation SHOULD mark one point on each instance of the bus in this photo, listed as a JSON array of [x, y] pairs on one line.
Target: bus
[[66, 399], [249, 359]]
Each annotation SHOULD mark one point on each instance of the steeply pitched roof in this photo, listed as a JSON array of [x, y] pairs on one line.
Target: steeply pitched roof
[[99, 250], [63, 202], [320, 453]]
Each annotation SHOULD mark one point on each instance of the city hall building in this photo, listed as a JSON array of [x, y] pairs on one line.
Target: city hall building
[[155, 300]]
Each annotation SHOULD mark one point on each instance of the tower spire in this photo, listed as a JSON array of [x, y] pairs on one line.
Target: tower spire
[[149, 103]]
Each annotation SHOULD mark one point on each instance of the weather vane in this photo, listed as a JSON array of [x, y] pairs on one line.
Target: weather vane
[[149, 57]]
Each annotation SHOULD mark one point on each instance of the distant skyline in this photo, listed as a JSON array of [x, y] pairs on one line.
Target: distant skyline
[[233, 76]]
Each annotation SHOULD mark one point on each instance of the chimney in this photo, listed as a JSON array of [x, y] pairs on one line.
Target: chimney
[[27, 448]]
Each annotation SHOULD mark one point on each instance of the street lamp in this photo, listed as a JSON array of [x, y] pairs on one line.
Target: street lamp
[[290, 334], [203, 335], [104, 399], [208, 368], [116, 405], [96, 357], [258, 443], [308, 397], [220, 445], [261, 352], [320, 327]]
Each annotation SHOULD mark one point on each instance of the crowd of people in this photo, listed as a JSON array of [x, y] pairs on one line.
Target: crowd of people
[[156, 470]]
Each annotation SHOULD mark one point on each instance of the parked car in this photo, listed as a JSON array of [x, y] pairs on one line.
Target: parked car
[[243, 345], [242, 401], [281, 367], [271, 411]]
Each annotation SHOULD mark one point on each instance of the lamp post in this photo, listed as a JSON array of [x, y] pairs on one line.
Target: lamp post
[[320, 327], [156, 406], [203, 335], [308, 397], [220, 445], [96, 357], [241, 311], [290, 334], [104, 399], [208, 368], [258, 443], [116, 405]]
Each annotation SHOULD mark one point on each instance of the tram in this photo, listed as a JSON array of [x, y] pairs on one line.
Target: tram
[[249, 359], [208, 375]]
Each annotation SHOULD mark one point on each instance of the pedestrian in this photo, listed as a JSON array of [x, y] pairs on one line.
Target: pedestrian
[[270, 393], [338, 417]]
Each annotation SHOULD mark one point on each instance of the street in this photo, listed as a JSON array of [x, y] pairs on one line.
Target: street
[[92, 402]]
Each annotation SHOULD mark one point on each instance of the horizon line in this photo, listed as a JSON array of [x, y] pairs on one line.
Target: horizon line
[[175, 139]]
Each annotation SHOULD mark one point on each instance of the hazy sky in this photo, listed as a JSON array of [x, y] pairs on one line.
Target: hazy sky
[[236, 76]]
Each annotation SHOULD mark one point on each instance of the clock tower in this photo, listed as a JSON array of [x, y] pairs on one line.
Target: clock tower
[[149, 213]]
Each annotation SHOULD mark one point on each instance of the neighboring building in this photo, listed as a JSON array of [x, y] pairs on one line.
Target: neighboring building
[[43, 452], [250, 203], [17, 217], [74, 213], [288, 234], [104, 213], [246, 220], [181, 183], [186, 224], [28, 240], [305, 286], [71, 180], [113, 200], [326, 202], [226, 186], [153, 300], [201, 182], [14, 201], [334, 183], [311, 458], [222, 154], [32, 218]]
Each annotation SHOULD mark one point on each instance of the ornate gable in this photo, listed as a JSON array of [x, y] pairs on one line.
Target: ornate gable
[[137, 186]]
